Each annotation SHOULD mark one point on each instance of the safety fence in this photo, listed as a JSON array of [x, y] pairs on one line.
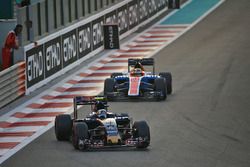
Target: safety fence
[[48, 16], [12, 83]]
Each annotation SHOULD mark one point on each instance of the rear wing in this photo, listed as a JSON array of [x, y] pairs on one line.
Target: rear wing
[[143, 61], [83, 100]]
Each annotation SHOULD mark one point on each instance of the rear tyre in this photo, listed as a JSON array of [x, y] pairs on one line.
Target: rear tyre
[[141, 129], [160, 86], [63, 127], [109, 87], [113, 75], [168, 78], [80, 132]]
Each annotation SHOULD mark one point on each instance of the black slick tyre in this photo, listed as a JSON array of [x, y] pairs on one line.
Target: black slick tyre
[[63, 127], [141, 130], [168, 78], [108, 87], [80, 132], [160, 86]]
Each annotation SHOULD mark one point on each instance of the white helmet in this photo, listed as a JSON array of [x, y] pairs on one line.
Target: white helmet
[[102, 113]]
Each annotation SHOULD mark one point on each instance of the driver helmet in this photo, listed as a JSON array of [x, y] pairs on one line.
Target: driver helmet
[[137, 72], [99, 105], [102, 114], [138, 65]]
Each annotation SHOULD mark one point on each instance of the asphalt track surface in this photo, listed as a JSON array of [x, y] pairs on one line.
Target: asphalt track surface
[[205, 123]]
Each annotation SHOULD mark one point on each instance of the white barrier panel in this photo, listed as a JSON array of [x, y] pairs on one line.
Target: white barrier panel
[[63, 50], [12, 83]]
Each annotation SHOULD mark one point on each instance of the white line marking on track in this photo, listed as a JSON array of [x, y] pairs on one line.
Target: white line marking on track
[[44, 101], [14, 119], [153, 39], [148, 43], [134, 53], [3, 151], [11, 139], [87, 92], [51, 110], [144, 47], [82, 85], [22, 129]]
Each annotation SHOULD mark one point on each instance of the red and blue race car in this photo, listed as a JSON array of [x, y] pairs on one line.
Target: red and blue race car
[[137, 83]]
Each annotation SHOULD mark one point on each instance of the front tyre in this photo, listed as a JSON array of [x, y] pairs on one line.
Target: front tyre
[[141, 130], [160, 86], [109, 85], [168, 78], [80, 133]]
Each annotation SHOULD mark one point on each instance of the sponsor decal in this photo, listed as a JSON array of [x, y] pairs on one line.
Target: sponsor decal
[[152, 8], [53, 57], [34, 65], [143, 10], [84, 40], [69, 44], [161, 4], [123, 19], [133, 14], [111, 18], [97, 32]]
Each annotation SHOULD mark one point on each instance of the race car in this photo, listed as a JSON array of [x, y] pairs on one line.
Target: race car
[[101, 128], [137, 83]]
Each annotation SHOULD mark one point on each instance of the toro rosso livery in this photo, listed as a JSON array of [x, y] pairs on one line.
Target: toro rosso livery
[[101, 128], [137, 83]]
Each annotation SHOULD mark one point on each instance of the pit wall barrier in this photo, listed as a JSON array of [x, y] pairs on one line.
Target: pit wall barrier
[[47, 16], [64, 49], [12, 83]]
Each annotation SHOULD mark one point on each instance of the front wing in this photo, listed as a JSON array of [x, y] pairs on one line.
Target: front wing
[[151, 95], [88, 144]]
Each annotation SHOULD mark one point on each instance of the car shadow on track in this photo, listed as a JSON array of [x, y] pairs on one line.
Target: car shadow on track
[[115, 150]]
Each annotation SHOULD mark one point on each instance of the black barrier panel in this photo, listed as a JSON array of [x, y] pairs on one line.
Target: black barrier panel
[[133, 14], [53, 57], [111, 36], [69, 48], [161, 4], [174, 4], [143, 10], [34, 65], [122, 15], [97, 32], [152, 7], [84, 40], [111, 18]]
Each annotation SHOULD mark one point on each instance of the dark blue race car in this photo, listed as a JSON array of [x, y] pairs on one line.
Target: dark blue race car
[[137, 83], [101, 128]]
